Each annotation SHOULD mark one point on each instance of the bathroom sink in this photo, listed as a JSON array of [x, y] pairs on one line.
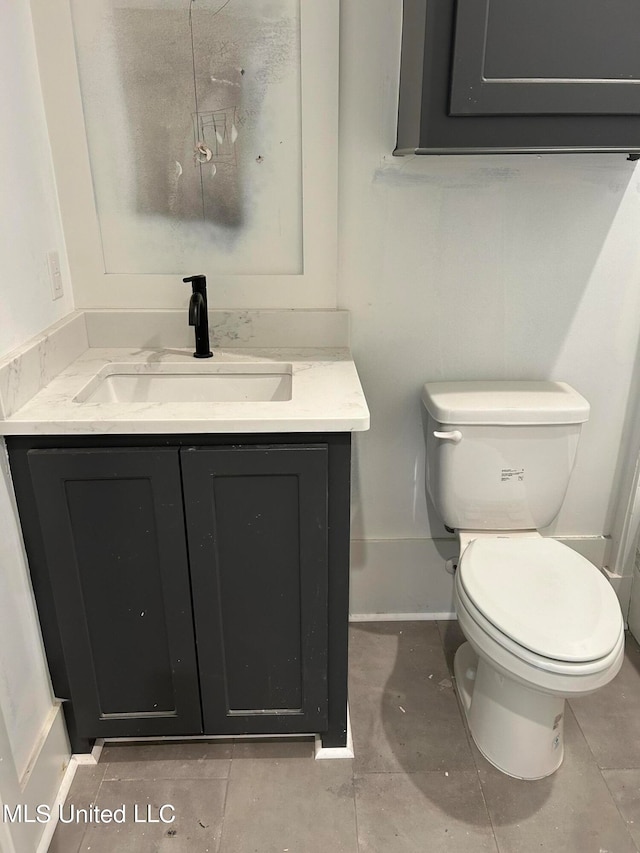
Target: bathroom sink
[[181, 383]]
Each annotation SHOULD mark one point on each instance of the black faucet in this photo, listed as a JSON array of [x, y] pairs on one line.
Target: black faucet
[[198, 315]]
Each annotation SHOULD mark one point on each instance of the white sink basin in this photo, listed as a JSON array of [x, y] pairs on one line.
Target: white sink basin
[[181, 383]]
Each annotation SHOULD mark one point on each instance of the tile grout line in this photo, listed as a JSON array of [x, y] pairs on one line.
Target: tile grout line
[[486, 807], [470, 745], [622, 817], [95, 800], [224, 811], [586, 739], [477, 769], [355, 806], [226, 796]]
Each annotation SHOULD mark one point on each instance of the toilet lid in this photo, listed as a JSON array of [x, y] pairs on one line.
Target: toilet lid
[[542, 594]]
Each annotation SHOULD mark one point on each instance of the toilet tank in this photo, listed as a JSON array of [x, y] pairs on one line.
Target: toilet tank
[[500, 454]]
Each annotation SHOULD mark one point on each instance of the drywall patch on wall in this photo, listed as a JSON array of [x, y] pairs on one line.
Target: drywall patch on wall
[[202, 163]]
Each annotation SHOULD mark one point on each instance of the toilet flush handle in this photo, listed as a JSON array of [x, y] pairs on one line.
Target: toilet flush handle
[[455, 435]]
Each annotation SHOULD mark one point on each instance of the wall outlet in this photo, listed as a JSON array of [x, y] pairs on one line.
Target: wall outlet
[[53, 261]]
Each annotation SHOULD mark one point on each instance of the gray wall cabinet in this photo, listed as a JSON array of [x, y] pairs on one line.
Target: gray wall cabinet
[[516, 76], [191, 584]]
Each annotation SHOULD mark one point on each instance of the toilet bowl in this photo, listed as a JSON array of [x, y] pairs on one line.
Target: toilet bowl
[[555, 632], [542, 623]]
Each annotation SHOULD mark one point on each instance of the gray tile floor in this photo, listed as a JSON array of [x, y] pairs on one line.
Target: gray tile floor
[[417, 782]]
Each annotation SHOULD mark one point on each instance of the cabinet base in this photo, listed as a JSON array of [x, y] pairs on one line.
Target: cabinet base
[[345, 751], [92, 755]]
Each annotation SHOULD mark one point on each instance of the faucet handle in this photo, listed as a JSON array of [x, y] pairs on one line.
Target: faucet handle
[[198, 282]]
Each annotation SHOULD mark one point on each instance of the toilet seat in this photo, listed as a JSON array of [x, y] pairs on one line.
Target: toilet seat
[[531, 668], [548, 603]]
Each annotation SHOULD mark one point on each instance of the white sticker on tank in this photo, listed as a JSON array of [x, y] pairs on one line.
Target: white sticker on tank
[[509, 474]]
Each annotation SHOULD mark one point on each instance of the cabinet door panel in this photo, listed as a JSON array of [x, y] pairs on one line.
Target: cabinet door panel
[[257, 531], [515, 57], [113, 530]]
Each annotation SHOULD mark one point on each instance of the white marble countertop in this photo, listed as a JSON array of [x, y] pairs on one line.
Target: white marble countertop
[[326, 396]]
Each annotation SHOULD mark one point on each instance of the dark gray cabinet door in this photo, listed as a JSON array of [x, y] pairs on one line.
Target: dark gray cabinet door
[[113, 530], [569, 57], [257, 532]]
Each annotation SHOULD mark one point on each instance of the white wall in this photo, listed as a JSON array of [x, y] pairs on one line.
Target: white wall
[[475, 267], [30, 224], [30, 228]]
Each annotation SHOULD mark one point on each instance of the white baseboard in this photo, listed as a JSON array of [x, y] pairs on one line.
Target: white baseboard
[[400, 617], [398, 576], [320, 751], [63, 790], [46, 774], [327, 752], [90, 757]]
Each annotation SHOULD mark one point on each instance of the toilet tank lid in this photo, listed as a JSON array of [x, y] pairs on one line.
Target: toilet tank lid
[[504, 402]]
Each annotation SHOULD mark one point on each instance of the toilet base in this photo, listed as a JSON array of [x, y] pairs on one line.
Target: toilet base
[[518, 730]]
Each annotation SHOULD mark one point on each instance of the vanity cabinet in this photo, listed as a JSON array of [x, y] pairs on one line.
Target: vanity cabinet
[[191, 584], [516, 76]]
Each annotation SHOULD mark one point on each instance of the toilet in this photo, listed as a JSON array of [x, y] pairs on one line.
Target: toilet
[[542, 623]]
